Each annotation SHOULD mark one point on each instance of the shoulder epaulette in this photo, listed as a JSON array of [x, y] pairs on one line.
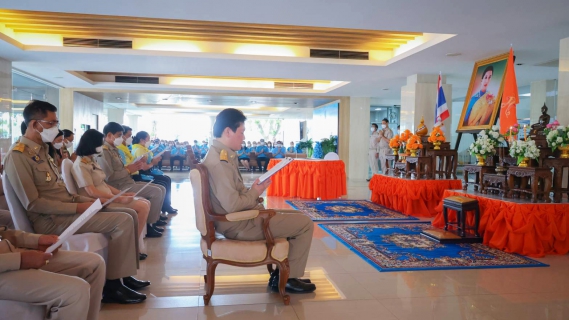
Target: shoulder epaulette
[[19, 147], [84, 160], [223, 156], [106, 147]]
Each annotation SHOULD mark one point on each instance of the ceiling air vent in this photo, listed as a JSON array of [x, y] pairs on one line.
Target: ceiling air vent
[[129, 79], [339, 54], [294, 85], [97, 43]]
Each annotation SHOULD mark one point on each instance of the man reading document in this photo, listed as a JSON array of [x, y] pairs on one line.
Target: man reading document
[[229, 194]]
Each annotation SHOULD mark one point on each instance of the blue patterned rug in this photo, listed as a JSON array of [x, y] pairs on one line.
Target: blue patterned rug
[[401, 247], [347, 210]]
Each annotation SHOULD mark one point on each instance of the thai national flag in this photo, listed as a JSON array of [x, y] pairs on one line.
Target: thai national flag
[[441, 109]]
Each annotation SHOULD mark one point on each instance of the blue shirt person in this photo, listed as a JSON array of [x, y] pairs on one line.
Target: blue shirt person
[[291, 149], [279, 151], [262, 150], [204, 149]]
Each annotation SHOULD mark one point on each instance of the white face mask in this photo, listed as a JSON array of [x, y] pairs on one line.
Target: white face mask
[[47, 135], [262, 143], [372, 129], [147, 144], [118, 141], [69, 145], [128, 141], [384, 126], [99, 150], [58, 145]]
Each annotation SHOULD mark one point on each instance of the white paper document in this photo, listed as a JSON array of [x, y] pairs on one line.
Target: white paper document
[[146, 185], [115, 197], [283, 163], [160, 153], [76, 225], [140, 157]]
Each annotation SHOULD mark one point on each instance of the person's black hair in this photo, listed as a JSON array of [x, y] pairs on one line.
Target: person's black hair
[[51, 149], [67, 133], [398, 127], [375, 125], [112, 128], [59, 134], [89, 142], [126, 129], [228, 118], [37, 110], [385, 119], [195, 141], [139, 136], [488, 69], [23, 127]]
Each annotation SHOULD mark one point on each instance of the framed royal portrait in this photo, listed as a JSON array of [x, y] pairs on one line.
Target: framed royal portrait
[[484, 94]]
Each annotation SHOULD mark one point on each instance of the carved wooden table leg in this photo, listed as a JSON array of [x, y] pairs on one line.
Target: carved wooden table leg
[[465, 184]]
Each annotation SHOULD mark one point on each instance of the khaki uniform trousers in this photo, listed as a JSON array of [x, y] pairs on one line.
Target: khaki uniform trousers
[[118, 226], [153, 193], [293, 225], [382, 153], [373, 161], [70, 286]]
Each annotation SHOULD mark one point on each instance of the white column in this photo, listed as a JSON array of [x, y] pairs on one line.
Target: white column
[[6, 105], [353, 136], [132, 121], [418, 99], [116, 115], [563, 84], [542, 91], [66, 110]]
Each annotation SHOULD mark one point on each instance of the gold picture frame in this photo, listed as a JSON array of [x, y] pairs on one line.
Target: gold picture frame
[[481, 107]]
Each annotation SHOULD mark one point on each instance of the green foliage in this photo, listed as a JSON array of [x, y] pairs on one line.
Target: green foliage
[[308, 146], [329, 144], [269, 128]]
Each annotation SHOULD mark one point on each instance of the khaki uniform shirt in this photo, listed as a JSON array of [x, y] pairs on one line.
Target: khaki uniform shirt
[[36, 181], [388, 135], [113, 167], [86, 173], [373, 143], [228, 193], [10, 240]]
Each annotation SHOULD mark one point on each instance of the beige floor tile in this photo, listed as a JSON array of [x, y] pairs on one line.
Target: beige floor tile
[[405, 284], [150, 314], [248, 312], [435, 308], [343, 310], [524, 306]]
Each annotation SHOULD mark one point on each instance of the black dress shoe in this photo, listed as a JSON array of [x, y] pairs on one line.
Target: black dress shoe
[[161, 230], [121, 294], [163, 218], [142, 256], [294, 285], [368, 180], [274, 279], [171, 210], [152, 233], [160, 223], [134, 284]]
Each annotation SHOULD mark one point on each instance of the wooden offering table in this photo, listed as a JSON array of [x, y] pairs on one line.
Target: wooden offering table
[[480, 171], [557, 164], [535, 175], [422, 166], [390, 169], [497, 183]]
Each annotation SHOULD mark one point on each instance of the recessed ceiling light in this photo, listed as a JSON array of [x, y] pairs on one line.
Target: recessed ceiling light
[[118, 98], [519, 64], [58, 77], [385, 89], [453, 54], [296, 103], [378, 109], [253, 102], [209, 101]]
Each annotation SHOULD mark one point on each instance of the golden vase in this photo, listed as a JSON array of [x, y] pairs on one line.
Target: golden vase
[[395, 151], [481, 160], [564, 152], [525, 162], [413, 152], [437, 145]]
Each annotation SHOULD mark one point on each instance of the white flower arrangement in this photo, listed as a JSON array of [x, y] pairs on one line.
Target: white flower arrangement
[[524, 149], [557, 136], [485, 144]]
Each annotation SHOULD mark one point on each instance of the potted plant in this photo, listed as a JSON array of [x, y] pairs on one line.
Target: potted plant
[[524, 151], [307, 146], [558, 138]]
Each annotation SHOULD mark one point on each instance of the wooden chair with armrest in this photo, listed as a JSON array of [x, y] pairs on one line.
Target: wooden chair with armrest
[[191, 158], [216, 249]]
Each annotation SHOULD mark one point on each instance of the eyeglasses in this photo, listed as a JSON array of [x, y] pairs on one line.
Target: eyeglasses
[[50, 123]]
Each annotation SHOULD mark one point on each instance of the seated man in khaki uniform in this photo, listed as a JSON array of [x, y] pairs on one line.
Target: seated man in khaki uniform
[[229, 194], [51, 208], [69, 284]]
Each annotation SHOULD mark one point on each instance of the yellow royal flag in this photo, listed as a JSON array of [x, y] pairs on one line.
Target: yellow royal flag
[[510, 97]]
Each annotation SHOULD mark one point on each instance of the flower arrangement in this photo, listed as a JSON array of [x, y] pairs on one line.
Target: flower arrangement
[[485, 144], [513, 132], [395, 142], [521, 149], [557, 136], [405, 135], [318, 153], [437, 135], [414, 143]]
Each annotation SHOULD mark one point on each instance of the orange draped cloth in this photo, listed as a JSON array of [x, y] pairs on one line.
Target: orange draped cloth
[[412, 197], [529, 229], [309, 179]]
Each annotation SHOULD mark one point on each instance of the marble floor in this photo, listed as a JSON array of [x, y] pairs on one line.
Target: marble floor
[[348, 287]]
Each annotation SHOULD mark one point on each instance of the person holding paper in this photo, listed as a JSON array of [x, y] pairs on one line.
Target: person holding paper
[[68, 283], [90, 179], [140, 147], [229, 194], [51, 208], [118, 175]]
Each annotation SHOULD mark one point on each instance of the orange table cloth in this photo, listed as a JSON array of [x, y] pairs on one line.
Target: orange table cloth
[[416, 198], [309, 179], [529, 229]]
